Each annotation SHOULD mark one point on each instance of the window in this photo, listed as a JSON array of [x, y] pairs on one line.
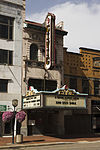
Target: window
[[6, 57], [73, 83], [55, 56], [6, 27], [3, 85], [96, 63], [96, 87], [85, 86], [41, 85], [34, 52]]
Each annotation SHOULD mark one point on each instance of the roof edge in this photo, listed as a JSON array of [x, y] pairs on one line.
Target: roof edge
[[89, 49]]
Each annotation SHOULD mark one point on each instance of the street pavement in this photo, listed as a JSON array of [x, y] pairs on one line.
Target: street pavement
[[50, 142], [74, 146]]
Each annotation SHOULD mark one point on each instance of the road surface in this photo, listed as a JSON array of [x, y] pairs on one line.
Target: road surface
[[84, 145]]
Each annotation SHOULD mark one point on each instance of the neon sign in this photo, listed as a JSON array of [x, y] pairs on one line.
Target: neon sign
[[50, 41]]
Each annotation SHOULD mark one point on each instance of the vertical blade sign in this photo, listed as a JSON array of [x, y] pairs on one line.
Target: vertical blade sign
[[50, 41]]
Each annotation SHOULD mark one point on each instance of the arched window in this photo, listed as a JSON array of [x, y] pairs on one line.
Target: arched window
[[34, 52]]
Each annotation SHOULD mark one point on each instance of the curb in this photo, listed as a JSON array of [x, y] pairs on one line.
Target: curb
[[15, 146], [18, 146]]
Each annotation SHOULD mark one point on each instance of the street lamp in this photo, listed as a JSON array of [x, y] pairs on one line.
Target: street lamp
[[14, 104]]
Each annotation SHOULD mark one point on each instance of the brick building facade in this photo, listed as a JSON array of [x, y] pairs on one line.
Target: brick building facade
[[82, 73]]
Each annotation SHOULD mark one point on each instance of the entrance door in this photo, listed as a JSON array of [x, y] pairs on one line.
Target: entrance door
[[51, 123], [35, 123], [77, 125], [7, 128], [42, 122]]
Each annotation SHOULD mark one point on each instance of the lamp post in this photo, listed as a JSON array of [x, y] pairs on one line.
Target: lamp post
[[14, 104]]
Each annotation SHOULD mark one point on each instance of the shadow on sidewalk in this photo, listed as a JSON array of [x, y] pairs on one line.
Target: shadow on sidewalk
[[32, 141], [74, 136]]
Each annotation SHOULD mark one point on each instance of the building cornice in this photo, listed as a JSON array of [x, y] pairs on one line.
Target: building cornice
[[90, 49], [15, 2], [41, 27]]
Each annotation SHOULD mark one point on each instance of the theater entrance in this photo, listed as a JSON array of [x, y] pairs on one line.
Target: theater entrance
[[42, 122]]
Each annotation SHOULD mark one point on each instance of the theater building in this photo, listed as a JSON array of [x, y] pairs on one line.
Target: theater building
[[42, 59], [49, 112], [82, 72], [42, 70]]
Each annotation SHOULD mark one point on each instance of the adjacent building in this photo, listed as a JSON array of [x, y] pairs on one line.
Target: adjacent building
[[82, 73], [11, 25]]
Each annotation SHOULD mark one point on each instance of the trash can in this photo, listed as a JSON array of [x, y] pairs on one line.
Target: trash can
[[19, 138]]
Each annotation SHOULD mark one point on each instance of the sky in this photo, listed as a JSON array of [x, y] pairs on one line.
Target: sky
[[81, 20]]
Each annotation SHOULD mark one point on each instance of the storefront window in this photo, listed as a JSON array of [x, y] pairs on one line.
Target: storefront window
[[96, 87]]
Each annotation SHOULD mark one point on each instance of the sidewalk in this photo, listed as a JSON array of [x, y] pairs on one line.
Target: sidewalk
[[40, 140]]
